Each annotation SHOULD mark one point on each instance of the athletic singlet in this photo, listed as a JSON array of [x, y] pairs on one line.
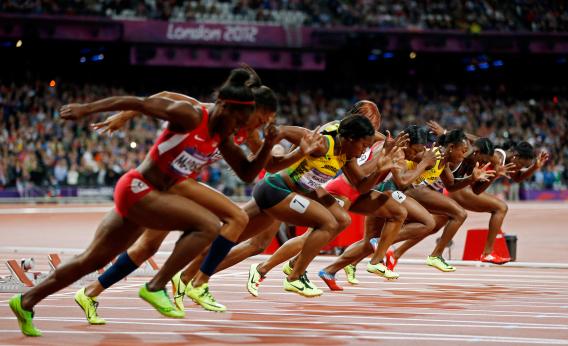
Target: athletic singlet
[[183, 155], [429, 176], [503, 154], [311, 172]]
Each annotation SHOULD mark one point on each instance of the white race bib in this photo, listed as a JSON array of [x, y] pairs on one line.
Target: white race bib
[[398, 196], [186, 162], [313, 179], [299, 204]]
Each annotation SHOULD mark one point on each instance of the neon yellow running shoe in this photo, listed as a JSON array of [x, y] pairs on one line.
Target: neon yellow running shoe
[[178, 289], [161, 302], [381, 270], [302, 286], [25, 317], [439, 263], [254, 279], [287, 268], [203, 297], [89, 306], [350, 273]]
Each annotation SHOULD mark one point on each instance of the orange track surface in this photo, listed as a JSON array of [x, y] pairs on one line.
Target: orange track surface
[[493, 305]]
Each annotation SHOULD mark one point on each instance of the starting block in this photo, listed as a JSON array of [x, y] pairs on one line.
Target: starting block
[[475, 243], [148, 268], [20, 278]]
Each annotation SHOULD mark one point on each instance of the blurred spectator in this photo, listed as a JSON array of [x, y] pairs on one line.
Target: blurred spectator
[[467, 15], [38, 149]]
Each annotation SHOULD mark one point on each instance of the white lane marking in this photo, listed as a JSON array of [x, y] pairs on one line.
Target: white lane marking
[[309, 333], [224, 322], [66, 210]]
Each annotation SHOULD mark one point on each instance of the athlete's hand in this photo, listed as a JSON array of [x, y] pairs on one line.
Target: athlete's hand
[[541, 159], [114, 122], [506, 170], [435, 127], [312, 142], [73, 111], [400, 141], [431, 156], [271, 133], [482, 173]]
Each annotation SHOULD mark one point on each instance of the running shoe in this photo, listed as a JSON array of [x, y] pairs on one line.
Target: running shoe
[[494, 258], [254, 279], [329, 280], [302, 286], [89, 306], [350, 273], [381, 270], [374, 243], [25, 317], [160, 301], [203, 297], [439, 263], [178, 288], [390, 260], [287, 268]]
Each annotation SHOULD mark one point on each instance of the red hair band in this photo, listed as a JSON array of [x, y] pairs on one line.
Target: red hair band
[[237, 102]]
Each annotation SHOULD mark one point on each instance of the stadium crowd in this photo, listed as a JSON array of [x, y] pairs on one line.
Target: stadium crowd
[[466, 15], [38, 149]]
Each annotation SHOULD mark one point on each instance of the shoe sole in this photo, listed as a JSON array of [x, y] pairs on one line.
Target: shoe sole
[[378, 273], [303, 295], [442, 270], [336, 288]]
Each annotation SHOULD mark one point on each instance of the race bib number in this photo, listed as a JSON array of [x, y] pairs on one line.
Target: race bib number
[[299, 204], [188, 162], [313, 179], [365, 157], [398, 196]]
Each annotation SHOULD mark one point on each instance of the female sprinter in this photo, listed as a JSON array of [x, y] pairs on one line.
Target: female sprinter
[[518, 163], [375, 163], [426, 190], [140, 198], [422, 220], [234, 218], [263, 222]]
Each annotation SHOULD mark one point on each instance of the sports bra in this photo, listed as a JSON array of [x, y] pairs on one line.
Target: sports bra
[[183, 155], [311, 172]]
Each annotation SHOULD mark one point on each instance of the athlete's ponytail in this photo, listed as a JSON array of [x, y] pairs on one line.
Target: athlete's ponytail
[[356, 127], [235, 92], [524, 150], [265, 99], [485, 146], [452, 137], [417, 134]]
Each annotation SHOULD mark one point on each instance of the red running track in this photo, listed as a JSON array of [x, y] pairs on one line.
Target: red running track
[[481, 305]]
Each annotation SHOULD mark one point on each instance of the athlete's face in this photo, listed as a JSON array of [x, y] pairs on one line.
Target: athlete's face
[[355, 148], [456, 152], [260, 117], [413, 150], [521, 163], [482, 158]]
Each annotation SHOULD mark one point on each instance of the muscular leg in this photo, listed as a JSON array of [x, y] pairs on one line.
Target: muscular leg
[[437, 203], [381, 205], [145, 247], [484, 203], [113, 236], [324, 221]]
